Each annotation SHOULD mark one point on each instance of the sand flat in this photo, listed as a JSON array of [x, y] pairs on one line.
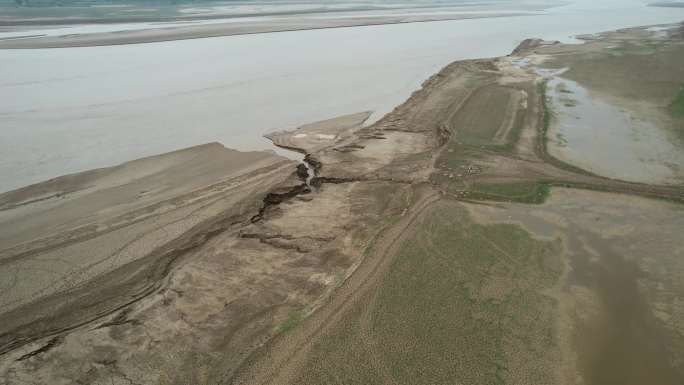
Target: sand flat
[[62, 234]]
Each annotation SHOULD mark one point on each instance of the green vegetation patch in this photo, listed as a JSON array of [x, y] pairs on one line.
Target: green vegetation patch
[[647, 72], [293, 319], [547, 112], [462, 303], [490, 118], [677, 106], [524, 192]]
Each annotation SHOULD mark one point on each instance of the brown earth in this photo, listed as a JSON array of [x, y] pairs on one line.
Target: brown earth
[[80, 246]]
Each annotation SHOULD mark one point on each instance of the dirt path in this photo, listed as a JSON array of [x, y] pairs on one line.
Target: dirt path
[[280, 361]]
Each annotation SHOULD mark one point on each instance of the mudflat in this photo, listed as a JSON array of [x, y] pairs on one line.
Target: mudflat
[[444, 243], [79, 245]]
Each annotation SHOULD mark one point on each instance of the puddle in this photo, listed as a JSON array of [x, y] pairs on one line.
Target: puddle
[[609, 140]]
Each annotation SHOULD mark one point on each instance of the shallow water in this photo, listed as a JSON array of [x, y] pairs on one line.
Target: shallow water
[[622, 252], [609, 140], [72, 109]]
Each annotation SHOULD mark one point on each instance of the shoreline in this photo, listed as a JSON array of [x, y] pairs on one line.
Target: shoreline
[[158, 35]]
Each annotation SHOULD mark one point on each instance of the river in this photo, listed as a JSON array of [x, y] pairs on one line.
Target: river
[[72, 109]]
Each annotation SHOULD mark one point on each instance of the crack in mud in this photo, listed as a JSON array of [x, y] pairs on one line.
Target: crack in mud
[[274, 199], [49, 345]]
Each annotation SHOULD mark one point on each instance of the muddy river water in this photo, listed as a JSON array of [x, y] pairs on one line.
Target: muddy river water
[[71, 109]]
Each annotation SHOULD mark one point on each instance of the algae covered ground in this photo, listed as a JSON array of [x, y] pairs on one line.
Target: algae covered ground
[[461, 300], [678, 104]]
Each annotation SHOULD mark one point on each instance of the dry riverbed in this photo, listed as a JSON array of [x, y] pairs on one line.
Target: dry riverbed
[[445, 243]]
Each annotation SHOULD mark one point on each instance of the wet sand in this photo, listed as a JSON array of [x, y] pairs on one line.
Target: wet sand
[[109, 225]]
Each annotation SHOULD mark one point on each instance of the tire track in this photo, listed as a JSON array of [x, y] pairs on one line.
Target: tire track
[[280, 361]]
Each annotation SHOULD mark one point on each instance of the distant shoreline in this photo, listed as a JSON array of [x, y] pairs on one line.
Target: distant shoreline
[[668, 4], [162, 34]]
